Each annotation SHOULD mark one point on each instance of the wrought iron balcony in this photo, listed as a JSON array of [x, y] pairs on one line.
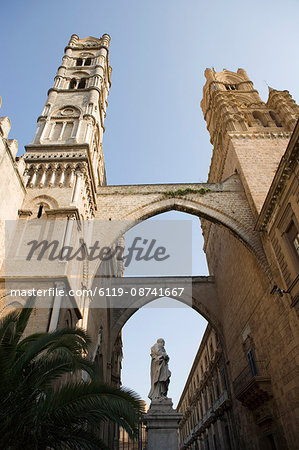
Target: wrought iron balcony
[[253, 387]]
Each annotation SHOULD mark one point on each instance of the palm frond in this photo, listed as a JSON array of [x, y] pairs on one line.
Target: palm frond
[[71, 341], [40, 407]]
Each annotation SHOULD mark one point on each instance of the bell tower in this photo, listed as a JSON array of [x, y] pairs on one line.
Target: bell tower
[[248, 135], [65, 163]]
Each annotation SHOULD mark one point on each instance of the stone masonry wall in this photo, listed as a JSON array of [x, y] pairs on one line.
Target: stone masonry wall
[[246, 304], [256, 160]]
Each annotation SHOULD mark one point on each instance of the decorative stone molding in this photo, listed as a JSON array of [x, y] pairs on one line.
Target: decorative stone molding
[[70, 212], [54, 156], [24, 213], [260, 135]]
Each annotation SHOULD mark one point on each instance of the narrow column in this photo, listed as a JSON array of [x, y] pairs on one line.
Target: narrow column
[[43, 177], [61, 179], [77, 187], [56, 306]]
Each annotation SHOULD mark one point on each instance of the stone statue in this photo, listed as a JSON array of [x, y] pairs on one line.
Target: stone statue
[[160, 374]]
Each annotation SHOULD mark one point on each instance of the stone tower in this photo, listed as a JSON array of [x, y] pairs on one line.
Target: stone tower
[[248, 135], [250, 138], [64, 163]]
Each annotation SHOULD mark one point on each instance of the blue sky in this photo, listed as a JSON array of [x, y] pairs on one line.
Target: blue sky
[[155, 130]]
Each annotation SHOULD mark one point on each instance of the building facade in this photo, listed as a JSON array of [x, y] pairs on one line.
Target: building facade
[[206, 400], [279, 221], [249, 216]]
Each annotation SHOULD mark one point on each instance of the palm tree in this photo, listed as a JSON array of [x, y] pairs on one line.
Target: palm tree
[[36, 411]]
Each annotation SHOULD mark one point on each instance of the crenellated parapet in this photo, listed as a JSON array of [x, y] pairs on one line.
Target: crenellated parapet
[[249, 136]]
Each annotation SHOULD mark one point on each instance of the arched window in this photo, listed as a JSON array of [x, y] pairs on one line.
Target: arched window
[[40, 211], [73, 83], [56, 131], [87, 62], [275, 118], [79, 62], [260, 118], [82, 83]]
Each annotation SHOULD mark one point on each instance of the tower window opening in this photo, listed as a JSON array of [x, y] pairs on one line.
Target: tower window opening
[[40, 211], [230, 87], [275, 118], [67, 134], [87, 62], [260, 118], [79, 62], [73, 83], [56, 132], [82, 83]]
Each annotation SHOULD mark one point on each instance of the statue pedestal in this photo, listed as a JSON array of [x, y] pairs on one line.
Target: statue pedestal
[[162, 423]]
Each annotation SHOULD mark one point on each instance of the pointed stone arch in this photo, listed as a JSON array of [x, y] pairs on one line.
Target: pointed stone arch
[[204, 301], [46, 200], [224, 204]]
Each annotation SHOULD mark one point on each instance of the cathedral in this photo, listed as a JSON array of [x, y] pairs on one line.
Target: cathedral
[[243, 388]]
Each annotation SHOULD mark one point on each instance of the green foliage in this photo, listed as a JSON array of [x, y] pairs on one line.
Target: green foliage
[[38, 410], [181, 192]]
